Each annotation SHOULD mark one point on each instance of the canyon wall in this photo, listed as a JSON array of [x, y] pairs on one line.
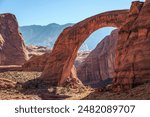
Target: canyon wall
[[12, 47], [99, 65], [36, 63], [132, 64]]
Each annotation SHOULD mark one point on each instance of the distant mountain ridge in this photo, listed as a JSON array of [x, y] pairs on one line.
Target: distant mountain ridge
[[42, 35], [48, 34]]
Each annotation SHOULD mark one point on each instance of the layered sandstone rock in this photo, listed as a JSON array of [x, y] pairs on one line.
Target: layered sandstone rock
[[132, 62], [61, 60], [99, 65], [36, 63], [12, 47], [37, 50], [39, 57], [6, 84]]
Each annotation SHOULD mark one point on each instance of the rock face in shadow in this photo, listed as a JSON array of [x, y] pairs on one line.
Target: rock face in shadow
[[132, 64], [99, 65], [12, 47], [64, 53]]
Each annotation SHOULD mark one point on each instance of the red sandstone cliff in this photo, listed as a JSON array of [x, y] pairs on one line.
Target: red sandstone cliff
[[99, 65], [36, 63], [12, 47], [132, 62]]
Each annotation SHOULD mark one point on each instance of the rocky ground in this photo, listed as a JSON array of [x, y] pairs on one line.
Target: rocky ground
[[141, 92], [37, 92]]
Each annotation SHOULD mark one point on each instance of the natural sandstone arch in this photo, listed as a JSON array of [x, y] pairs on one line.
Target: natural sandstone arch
[[60, 64]]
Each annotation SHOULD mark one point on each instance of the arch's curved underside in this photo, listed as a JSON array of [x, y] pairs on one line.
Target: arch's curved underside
[[60, 64]]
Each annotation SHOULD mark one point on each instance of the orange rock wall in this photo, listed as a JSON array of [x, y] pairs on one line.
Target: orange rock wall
[[133, 48], [12, 47]]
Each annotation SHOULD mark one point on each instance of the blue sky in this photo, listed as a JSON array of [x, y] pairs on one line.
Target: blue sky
[[43, 12]]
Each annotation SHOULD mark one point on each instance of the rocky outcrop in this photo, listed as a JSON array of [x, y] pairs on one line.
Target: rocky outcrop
[[12, 47], [40, 55], [37, 50], [5, 68], [132, 64], [7, 84], [38, 58], [99, 65], [36, 63], [61, 60]]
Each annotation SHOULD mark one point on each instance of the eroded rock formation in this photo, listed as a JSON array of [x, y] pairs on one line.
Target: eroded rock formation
[[37, 50], [39, 58], [62, 58], [12, 47], [99, 65], [6, 84], [133, 49], [36, 63]]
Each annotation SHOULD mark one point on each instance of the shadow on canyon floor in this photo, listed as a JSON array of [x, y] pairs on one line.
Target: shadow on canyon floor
[[30, 87], [40, 88], [140, 92]]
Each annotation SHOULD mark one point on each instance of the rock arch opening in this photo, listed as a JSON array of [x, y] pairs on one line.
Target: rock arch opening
[[95, 68], [60, 64], [91, 43]]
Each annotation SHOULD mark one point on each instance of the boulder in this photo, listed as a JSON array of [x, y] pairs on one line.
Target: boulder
[[7, 84]]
